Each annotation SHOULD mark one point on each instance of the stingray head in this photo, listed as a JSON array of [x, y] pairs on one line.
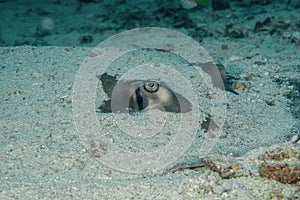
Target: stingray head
[[155, 95], [138, 95]]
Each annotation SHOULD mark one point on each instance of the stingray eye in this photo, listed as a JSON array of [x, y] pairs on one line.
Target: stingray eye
[[151, 86]]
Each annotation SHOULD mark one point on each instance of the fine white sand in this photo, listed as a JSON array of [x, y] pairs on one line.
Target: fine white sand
[[42, 154]]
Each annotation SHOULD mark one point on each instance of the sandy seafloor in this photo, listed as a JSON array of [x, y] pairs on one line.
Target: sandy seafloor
[[42, 155]]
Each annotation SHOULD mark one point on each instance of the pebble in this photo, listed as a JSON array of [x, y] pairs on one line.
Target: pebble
[[296, 37], [286, 35], [238, 85], [188, 4], [35, 84], [235, 58], [295, 138], [290, 87], [296, 133]]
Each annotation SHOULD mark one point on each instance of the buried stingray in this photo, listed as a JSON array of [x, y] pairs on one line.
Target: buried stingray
[[140, 95]]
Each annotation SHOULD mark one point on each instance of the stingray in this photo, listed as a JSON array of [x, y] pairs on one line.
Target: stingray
[[140, 95]]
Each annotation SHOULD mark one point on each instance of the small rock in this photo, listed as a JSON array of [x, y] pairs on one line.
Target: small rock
[[296, 37], [265, 25], [235, 58], [236, 34], [188, 4], [270, 103], [238, 85], [286, 35], [295, 138], [224, 47], [260, 63], [220, 4], [296, 133]]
